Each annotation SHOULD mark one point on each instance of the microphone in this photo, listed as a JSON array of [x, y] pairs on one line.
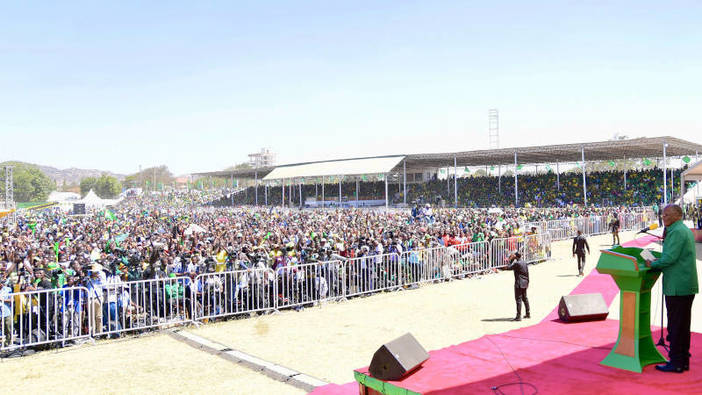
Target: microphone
[[649, 227]]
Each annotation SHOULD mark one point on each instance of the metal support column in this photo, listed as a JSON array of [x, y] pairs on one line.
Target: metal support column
[[404, 178], [582, 152], [499, 179], [386, 193], [665, 181], [455, 183], [516, 194], [356, 193]]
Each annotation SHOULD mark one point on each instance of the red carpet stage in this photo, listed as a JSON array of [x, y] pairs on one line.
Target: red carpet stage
[[551, 357]]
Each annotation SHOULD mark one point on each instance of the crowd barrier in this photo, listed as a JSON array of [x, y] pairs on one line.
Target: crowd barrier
[[51, 316], [111, 308], [562, 229]]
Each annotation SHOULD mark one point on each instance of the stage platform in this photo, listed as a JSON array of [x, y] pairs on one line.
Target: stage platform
[[549, 357]]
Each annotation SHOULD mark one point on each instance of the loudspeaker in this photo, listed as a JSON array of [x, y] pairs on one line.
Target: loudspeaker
[[397, 358], [78, 208], [585, 307]]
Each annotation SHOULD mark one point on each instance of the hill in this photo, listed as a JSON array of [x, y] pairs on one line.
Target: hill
[[72, 175]]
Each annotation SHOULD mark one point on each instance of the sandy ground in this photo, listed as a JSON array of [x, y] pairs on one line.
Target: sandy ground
[[327, 342], [155, 364]]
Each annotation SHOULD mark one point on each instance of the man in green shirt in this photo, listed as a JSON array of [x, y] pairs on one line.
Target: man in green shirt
[[679, 267]]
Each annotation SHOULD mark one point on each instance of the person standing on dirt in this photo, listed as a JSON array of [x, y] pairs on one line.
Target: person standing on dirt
[[614, 227], [579, 247]]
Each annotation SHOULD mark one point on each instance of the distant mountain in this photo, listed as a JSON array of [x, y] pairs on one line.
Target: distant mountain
[[73, 175]]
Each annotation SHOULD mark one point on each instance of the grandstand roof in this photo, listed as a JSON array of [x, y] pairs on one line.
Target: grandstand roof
[[344, 167], [603, 150], [694, 172]]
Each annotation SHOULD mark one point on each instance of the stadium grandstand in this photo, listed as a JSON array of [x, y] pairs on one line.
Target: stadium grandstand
[[512, 176]]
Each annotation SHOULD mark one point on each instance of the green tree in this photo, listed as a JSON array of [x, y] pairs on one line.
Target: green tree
[[107, 187], [29, 183], [86, 184]]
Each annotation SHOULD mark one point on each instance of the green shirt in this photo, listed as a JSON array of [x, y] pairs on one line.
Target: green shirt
[[678, 261]]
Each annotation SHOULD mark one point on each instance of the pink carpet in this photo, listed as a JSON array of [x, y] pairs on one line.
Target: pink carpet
[[552, 357]]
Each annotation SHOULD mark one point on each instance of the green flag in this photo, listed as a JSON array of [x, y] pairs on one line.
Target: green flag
[[646, 162], [611, 163], [56, 250], [519, 167], [382, 177], [686, 159], [110, 215], [364, 178], [492, 167], [466, 169], [443, 171], [548, 167]]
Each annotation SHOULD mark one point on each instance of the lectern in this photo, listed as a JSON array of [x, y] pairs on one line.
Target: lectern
[[634, 348]]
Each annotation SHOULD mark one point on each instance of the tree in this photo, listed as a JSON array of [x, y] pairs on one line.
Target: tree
[[107, 187], [86, 184], [29, 183], [153, 178]]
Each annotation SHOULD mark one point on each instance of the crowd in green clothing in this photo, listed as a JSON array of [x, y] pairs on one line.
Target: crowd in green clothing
[[604, 188]]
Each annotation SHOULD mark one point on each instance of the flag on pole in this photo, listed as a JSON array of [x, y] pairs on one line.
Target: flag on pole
[[492, 167], [519, 167], [646, 162], [548, 167], [686, 159], [466, 169], [611, 163]]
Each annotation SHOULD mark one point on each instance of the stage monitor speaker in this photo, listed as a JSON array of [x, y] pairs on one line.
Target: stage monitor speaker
[[78, 208], [585, 307], [395, 359]]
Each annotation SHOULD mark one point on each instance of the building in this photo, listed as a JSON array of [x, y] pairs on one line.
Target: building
[[264, 158]]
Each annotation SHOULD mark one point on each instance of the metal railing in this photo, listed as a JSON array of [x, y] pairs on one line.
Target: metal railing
[[114, 307], [35, 318], [562, 229]]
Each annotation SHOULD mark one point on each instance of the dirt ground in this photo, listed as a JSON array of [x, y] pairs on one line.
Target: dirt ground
[[326, 342], [154, 364]]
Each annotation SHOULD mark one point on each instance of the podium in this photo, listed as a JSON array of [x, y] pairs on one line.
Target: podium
[[634, 348]]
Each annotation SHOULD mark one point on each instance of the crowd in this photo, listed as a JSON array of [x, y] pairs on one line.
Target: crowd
[[604, 188], [173, 236]]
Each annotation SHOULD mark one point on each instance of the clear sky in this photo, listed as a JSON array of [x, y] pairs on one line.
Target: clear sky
[[199, 85]]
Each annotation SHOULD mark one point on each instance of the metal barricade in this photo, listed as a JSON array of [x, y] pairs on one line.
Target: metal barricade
[[470, 258], [374, 273], [120, 307], [298, 285], [331, 280], [235, 292], [43, 317]]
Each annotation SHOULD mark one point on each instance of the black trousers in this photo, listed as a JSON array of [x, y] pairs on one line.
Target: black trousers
[[679, 315], [520, 295], [581, 261]]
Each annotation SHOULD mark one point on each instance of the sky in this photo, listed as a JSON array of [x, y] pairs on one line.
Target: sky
[[197, 86]]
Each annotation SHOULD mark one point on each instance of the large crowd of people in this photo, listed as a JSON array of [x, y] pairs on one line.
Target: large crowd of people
[[177, 236], [604, 189]]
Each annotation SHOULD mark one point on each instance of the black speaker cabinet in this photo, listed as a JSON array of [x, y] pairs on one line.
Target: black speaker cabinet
[[395, 359], [585, 307], [78, 208]]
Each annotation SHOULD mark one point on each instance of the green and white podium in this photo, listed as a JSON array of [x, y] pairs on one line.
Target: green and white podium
[[634, 348]]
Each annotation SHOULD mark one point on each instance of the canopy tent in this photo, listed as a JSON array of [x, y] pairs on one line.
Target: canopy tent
[[92, 200]]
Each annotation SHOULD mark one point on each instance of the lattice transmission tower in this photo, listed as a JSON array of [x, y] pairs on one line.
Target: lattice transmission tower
[[494, 128]]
